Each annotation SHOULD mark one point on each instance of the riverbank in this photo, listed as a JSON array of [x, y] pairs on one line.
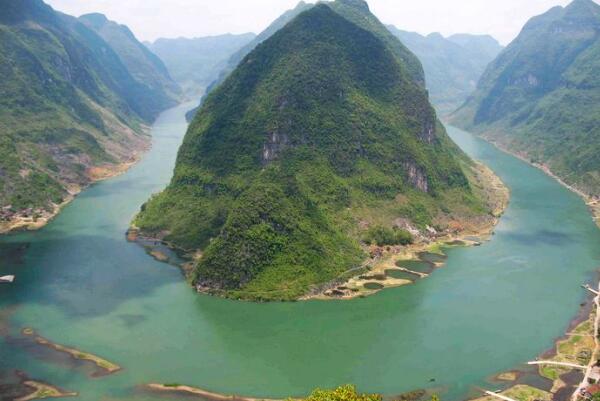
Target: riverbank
[[418, 395], [20, 387], [382, 269], [593, 203], [42, 390], [32, 220], [198, 392], [571, 367], [389, 267]]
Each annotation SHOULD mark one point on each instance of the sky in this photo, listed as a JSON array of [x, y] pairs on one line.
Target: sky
[[152, 19]]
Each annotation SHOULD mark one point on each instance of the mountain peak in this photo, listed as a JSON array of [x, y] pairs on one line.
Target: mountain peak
[[582, 3], [97, 20], [12, 11], [361, 4], [583, 8]]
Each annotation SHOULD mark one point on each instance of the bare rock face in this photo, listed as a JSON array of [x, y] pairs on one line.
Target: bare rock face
[[274, 145], [416, 176], [428, 133]]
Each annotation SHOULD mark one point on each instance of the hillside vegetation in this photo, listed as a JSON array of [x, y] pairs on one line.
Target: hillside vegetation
[[541, 96], [322, 131], [68, 106], [143, 65]]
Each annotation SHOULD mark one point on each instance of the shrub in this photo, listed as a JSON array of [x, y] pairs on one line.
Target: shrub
[[383, 236]]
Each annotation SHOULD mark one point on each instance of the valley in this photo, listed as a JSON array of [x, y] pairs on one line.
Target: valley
[[353, 212], [143, 302]]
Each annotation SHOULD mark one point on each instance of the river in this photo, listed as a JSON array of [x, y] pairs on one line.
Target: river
[[490, 309]]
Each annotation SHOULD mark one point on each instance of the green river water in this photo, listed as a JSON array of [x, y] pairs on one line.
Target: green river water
[[490, 309]]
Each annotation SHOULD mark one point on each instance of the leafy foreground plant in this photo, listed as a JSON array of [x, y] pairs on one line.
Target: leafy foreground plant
[[343, 393], [346, 393]]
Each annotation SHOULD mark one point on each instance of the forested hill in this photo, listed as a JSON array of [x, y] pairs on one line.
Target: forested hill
[[322, 131], [541, 96], [233, 61], [144, 66], [70, 110], [348, 9], [452, 65]]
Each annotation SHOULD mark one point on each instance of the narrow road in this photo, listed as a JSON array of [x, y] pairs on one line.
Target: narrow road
[[500, 396], [565, 364]]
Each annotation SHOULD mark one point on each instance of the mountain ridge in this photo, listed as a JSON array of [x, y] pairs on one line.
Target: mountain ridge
[[540, 97], [70, 111]]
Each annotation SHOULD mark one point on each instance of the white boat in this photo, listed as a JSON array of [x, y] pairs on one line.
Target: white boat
[[7, 279]]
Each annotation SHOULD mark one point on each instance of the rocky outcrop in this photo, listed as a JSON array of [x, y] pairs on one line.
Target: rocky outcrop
[[416, 176], [428, 133], [275, 144]]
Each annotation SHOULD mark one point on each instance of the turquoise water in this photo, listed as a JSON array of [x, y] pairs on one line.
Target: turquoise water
[[490, 309]]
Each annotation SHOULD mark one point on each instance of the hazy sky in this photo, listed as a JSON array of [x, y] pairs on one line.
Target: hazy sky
[[151, 19]]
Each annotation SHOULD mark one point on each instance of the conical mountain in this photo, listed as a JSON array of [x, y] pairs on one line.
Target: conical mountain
[[541, 96], [236, 57], [321, 131]]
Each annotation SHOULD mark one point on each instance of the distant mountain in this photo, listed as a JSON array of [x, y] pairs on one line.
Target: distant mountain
[[323, 133], [143, 65], [70, 110], [541, 96], [452, 65], [196, 63], [276, 25]]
